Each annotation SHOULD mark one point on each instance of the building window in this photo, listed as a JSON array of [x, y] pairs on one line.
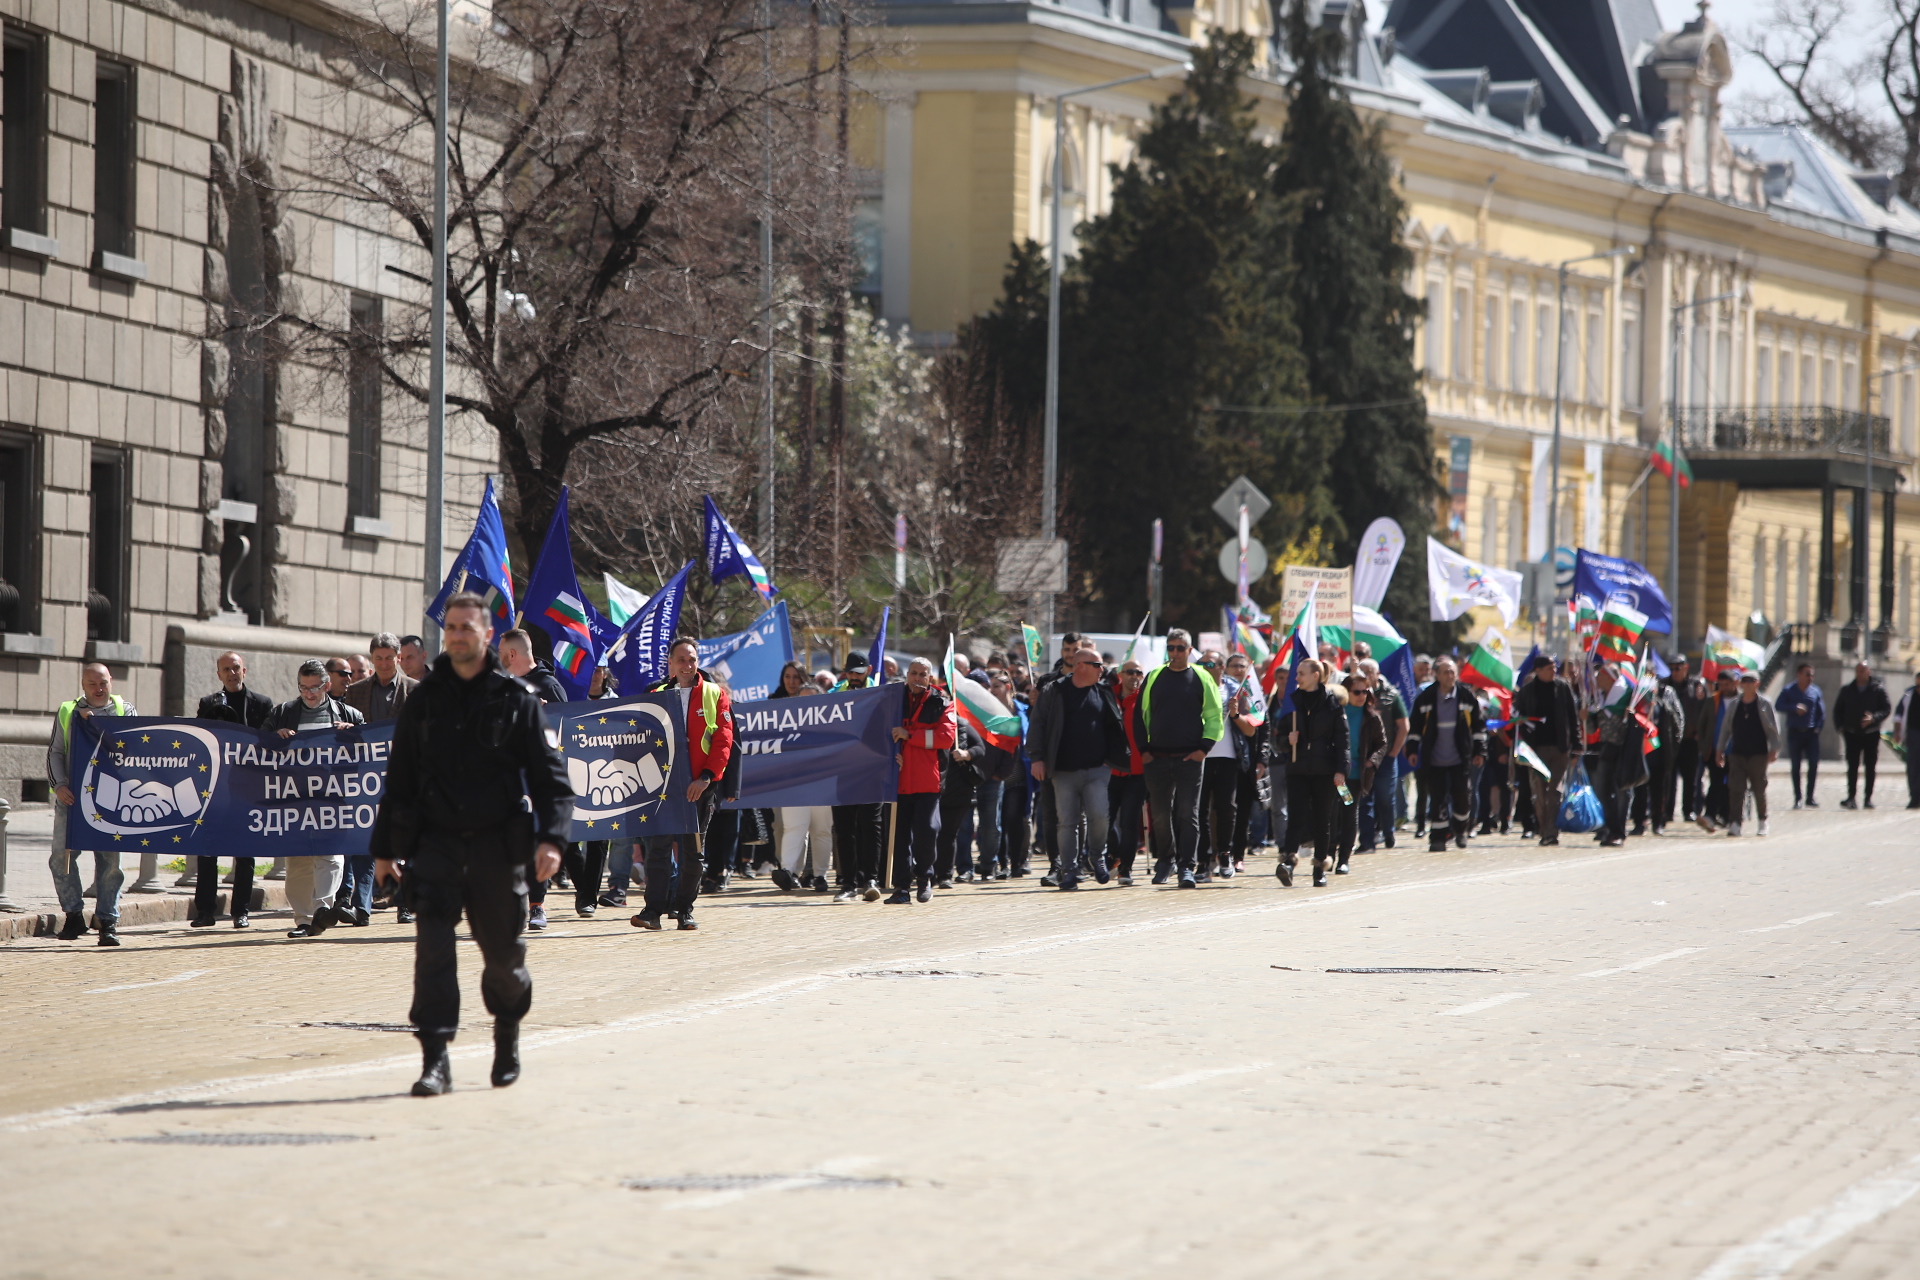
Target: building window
[[1763, 375], [1800, 585], [1850, 380], [1760, 575], [868, 244], [23, 161], [1436, 330], [1906, 415], [1630, 353], [1596, 358], [1542, 349], [114, 146], [1491, 343], [1517, 346], [1490, 529], [19, 533], [1462, 337], [1515, 525], [363, 407], [1722, 365], [1829, 382], [107, 536], [1807, 391]]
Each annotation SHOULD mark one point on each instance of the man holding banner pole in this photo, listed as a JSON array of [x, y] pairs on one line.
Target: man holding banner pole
[[857, 828], [474, 794], [673, 858]]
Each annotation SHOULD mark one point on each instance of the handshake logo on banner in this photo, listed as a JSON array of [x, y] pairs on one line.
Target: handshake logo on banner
[[154, 780], [620, 760]]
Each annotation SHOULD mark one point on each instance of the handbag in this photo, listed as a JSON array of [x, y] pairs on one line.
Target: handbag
[[1580, 811]]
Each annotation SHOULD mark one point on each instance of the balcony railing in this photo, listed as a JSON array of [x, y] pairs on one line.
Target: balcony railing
[[1784, 429]]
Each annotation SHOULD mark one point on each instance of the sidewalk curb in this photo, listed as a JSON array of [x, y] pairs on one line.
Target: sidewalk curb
[[144, 909]]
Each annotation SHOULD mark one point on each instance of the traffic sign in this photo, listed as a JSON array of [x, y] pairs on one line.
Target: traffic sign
[[1031, 567], [1230, 560], [1241, 493]]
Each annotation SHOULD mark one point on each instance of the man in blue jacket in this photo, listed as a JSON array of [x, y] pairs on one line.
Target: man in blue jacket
[[1803, 713]]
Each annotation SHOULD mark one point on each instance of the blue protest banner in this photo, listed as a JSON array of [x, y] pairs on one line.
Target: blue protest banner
[[1603, 577], [196, 787], [834, 748], [749, 661], [638, 657], [627, 765]]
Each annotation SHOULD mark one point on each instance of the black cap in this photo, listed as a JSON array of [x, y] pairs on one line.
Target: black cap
[[855, 662]]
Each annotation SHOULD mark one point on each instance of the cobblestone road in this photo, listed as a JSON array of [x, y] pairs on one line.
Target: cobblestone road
[[1693, 1058]]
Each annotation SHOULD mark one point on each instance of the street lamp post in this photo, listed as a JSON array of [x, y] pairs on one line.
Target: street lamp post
[[1559, 390], [435, 550], [1049, 482], [1673, 477]]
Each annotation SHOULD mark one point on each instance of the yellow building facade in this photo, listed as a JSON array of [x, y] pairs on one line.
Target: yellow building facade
[[1758, 284]]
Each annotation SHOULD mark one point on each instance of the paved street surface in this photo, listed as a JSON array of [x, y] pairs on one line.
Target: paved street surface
[[1693, 1058]]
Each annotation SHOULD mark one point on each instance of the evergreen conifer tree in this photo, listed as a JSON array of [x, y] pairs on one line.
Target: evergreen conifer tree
[[1178, 333], [1350, 266]]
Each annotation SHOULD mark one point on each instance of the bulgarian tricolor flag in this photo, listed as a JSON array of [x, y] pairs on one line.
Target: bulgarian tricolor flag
[[1491, 668], [979, 708], [1620, 628], [1664, 460]]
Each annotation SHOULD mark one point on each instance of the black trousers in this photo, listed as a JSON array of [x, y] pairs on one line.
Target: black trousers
[[857, 832], [1016, 831], [1246, 798], [1449, 800], [1863, 749], [482, 874], [1173, 790], [1311, 801], [1687, 782], [673, 873], [1219, 796], [956, 808], [722, 843], [586, 862], [206, 888], [1655, 797], [1126, 804], [916, 826]]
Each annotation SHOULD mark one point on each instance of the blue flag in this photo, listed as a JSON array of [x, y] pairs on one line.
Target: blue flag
[[877, 656], [557, 606], [638, 656], [835, 749], [1296, 652], [483, 567], [1521, 672], [750, 661], [728, 556], [1607, 577]]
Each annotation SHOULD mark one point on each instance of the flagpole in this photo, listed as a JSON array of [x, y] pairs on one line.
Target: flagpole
[[435, 551]]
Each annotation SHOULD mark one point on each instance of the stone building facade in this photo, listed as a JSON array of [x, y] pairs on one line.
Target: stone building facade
[[178, 472]]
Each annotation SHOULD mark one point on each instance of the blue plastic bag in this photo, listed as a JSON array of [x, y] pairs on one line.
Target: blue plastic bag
[[1580, 811]]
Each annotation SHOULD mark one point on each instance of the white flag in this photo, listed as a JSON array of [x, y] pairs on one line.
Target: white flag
[[622, 600], [1374, 562], [1456, 584]]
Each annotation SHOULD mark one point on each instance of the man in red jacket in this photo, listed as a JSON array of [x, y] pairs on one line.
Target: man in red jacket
[[927, 729], [673, 860]]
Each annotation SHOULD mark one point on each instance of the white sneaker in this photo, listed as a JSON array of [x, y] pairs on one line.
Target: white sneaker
[[1763, 827], [1733, 829]]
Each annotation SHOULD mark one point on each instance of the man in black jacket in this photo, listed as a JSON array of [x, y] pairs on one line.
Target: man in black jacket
[[234, 704], [1858, 713], [474, 795], [1550, 724], [1694, 697], [1449, 733], [1076, 740]]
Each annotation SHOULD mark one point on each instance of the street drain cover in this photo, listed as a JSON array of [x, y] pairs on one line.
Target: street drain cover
[[362, 1026], [914, 973], [757, 1181], [1404, 970], [246, 1139]]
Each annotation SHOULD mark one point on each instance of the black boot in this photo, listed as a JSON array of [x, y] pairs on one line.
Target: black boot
[[436, 1073], [75, 926], [1284, 869], [1319, 872], [506, 1051]]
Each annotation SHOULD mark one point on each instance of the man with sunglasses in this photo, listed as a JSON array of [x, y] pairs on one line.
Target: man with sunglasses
[[1076, 741], [1176, 722]]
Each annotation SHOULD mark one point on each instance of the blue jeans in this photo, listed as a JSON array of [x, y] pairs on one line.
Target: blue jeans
[[358, 881], [65, 865], [1803, 745], [619, 865], [1386, 791]]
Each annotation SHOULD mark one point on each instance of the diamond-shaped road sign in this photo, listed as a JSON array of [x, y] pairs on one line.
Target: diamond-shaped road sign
[[1241, 493]]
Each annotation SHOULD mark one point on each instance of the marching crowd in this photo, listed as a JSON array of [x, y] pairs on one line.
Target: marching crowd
[[1180, 765]]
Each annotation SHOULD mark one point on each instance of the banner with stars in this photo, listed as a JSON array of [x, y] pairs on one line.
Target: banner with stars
[[627, 764], [148, 784]]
